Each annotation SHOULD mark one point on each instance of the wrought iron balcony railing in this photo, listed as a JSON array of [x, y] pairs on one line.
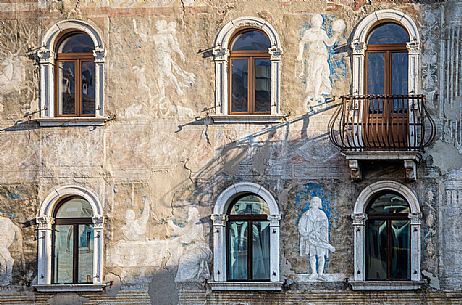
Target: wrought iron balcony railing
[[382, 122]]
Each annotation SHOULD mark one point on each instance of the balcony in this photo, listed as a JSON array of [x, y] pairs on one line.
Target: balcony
[[382, 127]]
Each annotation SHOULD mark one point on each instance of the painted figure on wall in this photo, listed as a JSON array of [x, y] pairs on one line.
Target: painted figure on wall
[[10, 234], [170, 72], [135, 229], [314, 237], [315, 64]]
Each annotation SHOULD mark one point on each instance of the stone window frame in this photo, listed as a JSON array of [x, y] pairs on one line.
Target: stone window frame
[[359, 217], [219, 219], [47, 58], [359, 47], [44, 222], [221, 54]]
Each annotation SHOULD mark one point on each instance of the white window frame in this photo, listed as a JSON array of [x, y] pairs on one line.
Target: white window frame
[[219, 218], [359, 232], [45, 221], [221, 54], [359, 47], [47, 57]]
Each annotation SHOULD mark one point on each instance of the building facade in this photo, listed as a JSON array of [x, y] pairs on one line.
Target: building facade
[[230, 152]]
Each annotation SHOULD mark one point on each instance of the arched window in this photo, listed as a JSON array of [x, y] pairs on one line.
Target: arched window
[[248, 239], [386, 230], [75, 75], [72, 59], [388, 238], [250, 73], [72, 242], [247, 54]]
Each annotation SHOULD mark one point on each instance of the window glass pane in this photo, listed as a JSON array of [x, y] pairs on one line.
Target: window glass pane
[[75, 208], [76, 43], [239, 85], [251, 40], [63, 253], [88, 87], [388, 33], [399, 73], [401, 254], [375, 73], [66, 87], [262, 85], [260, 250], [388, 204], [85, 253], [376, 250], [238, 254], [250, 204]]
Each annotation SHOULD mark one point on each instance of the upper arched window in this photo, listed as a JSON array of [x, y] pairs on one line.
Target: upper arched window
[[250, 73], [248, 244], [388, 238], [72, 242], [71, 75], [247, 54], [75, 75]]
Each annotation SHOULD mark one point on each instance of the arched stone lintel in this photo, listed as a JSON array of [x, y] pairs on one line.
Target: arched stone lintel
[[366, 25], [231, 192], [371, 190], [224, 36], [57, 194], [49, 39]]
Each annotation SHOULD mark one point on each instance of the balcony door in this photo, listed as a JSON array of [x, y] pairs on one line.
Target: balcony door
[[386, 115]]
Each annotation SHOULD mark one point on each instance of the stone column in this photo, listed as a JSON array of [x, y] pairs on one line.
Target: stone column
[[219, 247], [44, 228], [274, 247], [98, 223], [220, 56], [359, 222]]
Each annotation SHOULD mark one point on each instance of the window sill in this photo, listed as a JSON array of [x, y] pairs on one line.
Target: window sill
[[69, 287], [72, 121], [386, 285], [253, 119], [246, 286]]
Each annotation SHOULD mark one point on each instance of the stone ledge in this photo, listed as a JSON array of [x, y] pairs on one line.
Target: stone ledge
[[382, 155], [246, 286], [69, 287], [246, 119], [72, 121], [386, 285]]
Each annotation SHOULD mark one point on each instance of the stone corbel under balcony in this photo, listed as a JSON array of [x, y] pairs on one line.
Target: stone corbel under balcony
[[409, 158]]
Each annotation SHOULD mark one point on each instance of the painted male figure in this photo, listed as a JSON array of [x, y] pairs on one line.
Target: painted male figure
[[314, 237]]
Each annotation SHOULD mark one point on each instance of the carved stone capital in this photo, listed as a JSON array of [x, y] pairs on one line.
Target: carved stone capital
[[358, 47], [98, 222], [44, 222], [45, 55], [219, 219], [274, 219], [359, 219], [275, 53], [413, 47], [220, 53], [99, 54], [415, 218]]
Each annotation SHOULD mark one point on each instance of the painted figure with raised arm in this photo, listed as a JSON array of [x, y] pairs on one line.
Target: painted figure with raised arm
[[135, 229], [314, 237]]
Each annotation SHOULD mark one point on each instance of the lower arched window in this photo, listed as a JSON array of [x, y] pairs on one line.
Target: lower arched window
[[388, 238], [248, 239], [72, 242]]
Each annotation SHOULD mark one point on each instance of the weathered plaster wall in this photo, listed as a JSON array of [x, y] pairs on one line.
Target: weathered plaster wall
[[161, 157]]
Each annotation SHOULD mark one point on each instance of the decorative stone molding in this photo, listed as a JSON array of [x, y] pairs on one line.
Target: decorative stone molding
[[355, 170], [219, 219], [44, 222], [46, 57], [359, 220], [221, 53]]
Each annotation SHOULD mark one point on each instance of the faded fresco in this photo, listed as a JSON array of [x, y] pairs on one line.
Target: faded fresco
[[314, 58], [11, 235]]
